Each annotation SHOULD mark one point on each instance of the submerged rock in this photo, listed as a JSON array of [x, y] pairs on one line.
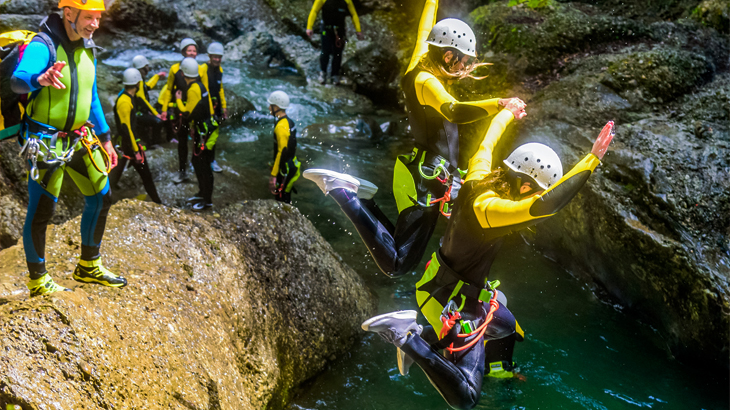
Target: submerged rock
[[231, 312]]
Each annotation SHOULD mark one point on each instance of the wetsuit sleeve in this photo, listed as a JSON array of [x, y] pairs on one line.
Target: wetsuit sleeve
[[495, 212], [96, 116], [140, 95], [124, 111], [203, 72], [428, 20], [353, 13], [166, 93], [194, 98], [431, 92], [282, 139], [316, 7], [224, 105], [36, 58], [481, 163], [152, 82]]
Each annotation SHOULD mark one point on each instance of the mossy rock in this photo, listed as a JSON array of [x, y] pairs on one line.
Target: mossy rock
[[538, 38], [138, 16], [715, 14]]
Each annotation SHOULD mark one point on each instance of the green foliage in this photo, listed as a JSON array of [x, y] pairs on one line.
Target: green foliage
[[533, 4]]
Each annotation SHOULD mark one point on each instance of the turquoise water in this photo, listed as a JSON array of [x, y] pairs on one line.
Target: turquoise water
[[579, 353]]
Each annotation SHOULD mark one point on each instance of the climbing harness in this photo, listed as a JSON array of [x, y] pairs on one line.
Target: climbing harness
[[450, 315]]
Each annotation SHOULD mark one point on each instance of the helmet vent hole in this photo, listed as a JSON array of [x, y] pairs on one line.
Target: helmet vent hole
[[454, 31], [542, 166], [519, 166], [554, 175], [548, 166], [527, 159], [458, 36], [538, 160], [444, 33]]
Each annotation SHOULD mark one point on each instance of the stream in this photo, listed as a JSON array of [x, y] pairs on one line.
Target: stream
[[580, 352]]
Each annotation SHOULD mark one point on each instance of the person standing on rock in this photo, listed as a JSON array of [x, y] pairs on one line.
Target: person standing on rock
[[286, 168], [211, 74], [127, 121], [334, 35], [454, 294], [426, 182], [149, 121], [198, 115], [58, 137], [176, 81]]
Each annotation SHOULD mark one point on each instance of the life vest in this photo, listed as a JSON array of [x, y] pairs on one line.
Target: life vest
[[12, 105]]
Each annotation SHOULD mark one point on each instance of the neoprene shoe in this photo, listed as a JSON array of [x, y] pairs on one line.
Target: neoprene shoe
[[322, 77], [215, 167], [44, 286], [195, 198], [394, 327], [200, 206], [367, 189], [328, 180], [180, 177], [95, 272]]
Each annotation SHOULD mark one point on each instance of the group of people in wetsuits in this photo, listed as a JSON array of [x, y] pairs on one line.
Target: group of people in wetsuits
[[470, 331]]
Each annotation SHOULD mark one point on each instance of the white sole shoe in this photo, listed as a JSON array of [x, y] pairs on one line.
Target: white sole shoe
[[367, 189], [328, 180]]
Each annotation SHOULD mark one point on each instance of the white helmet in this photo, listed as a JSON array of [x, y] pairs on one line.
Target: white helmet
[[139, 62], [187, 42], [280, 99], [215, 49], [538, 161], [454, 33], [189, 67], [131, 76]]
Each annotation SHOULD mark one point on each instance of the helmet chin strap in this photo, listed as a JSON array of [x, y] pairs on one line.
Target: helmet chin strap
[[73, 23], [274, 112]]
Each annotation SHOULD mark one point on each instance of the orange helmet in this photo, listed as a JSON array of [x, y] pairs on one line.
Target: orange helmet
[[91, 5]]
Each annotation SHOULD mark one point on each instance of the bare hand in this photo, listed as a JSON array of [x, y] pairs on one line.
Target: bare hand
[[604, 139], [178, 95], [360, 35], [52, 75], [272, 185], [225, 113], [309, 33], [504, 101], [162, 74], [517, 108], [139, 156], [163, 116], [113, 158]]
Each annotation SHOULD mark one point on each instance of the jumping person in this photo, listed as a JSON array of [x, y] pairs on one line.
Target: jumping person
[[197, 111], [176, 81], [454, 293], [426, 182], [334, 35], [211, 74], [286, 168], [127, 122], [58, 139], [149, 121]]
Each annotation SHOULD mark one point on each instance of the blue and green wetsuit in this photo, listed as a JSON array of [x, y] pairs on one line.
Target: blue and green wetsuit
[[68, 110]]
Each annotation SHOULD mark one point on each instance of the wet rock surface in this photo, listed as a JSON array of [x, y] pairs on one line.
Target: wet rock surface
[[229, 311]]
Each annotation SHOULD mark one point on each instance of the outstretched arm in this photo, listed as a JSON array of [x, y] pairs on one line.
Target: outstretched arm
[[431, 92], [481, 163], [428, 20]]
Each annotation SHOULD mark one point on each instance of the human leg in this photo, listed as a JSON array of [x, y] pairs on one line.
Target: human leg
[[87, 171], [149, 184], [337, 50], [204, 174], [149, 129], [328, 45]]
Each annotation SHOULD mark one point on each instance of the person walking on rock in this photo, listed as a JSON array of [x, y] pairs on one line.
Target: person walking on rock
[[149, 121], [425, 183], [286, 168], [211, 74], [58, 139], [454, 294], [127, 122], [176, 81], [334, 35], [197, 111]]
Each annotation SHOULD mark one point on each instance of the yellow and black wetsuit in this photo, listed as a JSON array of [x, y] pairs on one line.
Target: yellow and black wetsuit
[[127, 122], [177, 127], [458, 271], [334, 34], [149, 126], [424, 177], [197, 111], [212, 79], [286, 167]]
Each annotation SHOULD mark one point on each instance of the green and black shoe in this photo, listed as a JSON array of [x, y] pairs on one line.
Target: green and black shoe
[[95, 272], [44, 286]]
